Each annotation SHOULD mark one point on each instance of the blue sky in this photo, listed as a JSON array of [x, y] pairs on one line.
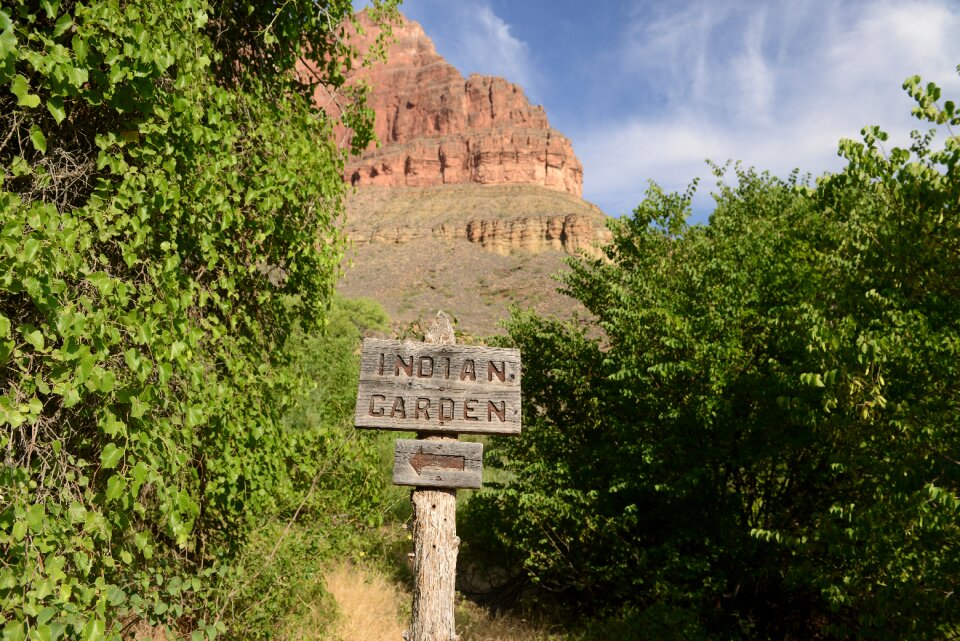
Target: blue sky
[[647, 90]]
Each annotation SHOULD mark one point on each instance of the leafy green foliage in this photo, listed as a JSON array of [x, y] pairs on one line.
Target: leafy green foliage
[[164, 228], [762, 441], [277, 575]]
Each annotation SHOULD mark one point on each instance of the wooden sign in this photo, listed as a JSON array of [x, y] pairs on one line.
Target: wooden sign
[[438, 464], [437, 389], [426, 387]]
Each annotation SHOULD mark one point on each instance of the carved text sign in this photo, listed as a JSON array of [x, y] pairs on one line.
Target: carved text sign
[[427, 387]]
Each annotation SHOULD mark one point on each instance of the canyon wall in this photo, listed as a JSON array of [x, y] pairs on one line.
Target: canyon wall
[[437, 128], [471, 202], [504, 219]]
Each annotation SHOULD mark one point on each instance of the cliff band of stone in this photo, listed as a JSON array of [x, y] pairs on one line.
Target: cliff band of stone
[[455, 388]]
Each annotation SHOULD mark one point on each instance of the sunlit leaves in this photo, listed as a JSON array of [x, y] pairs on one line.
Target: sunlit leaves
[[20, 89], [55, 107], [110, 456], [8, 41], [38, 139], [775, 393], [143, 353], [63, 23]]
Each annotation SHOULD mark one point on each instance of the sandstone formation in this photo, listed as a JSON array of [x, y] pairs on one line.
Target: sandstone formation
[[504, 219], [437, 128], [470, 204], [572, 234]]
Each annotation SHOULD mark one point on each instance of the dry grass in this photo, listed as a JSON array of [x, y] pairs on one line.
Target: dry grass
[[414, 279], [371, 607], [476, 624]]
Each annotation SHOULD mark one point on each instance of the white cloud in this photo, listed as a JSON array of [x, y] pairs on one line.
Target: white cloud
[[490, 48], [754, 78], [776, 89], [474, 39], [670, 49]]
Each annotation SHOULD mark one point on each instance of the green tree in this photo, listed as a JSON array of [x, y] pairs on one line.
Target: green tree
[[760, 439], [278, 578], [170, 207]]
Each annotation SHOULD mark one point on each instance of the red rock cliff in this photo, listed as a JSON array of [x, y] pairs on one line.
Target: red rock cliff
[[436, 128]]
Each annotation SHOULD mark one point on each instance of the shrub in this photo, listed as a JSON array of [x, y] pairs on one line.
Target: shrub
[[169, 213], [761, 434]]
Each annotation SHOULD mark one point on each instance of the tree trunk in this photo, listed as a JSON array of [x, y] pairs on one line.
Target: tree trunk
[[435, 547]]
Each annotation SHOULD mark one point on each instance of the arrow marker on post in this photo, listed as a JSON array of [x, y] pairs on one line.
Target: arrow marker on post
[[438, 463], [437, 389], [421, 461]]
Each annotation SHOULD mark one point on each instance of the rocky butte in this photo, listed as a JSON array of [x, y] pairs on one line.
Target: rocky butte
[[436, 128], [464, 165]]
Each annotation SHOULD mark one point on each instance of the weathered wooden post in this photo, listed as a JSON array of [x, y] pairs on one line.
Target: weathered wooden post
[[439, 390]]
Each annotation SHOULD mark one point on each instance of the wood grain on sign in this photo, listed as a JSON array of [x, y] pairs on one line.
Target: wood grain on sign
[[438, 464], [425, 387]]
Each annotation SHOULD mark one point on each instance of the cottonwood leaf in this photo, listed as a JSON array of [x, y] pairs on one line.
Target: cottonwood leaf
[[137, 407], [55, 107], [30, 247], [35, 516], [110, 456], [8, 43], [194, 416], [50, 7], [64, 23], [93, 631], [115, 487], [35, 338], [37, 137], [21, 89], [78, 76]]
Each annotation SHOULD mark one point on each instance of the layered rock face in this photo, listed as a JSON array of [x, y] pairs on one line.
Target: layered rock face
[[572, 234], [436, 128], [471, 203], [504, 219]]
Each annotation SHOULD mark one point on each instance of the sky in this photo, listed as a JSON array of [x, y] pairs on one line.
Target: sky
[[649, 90]]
